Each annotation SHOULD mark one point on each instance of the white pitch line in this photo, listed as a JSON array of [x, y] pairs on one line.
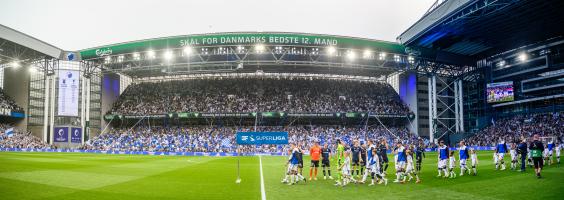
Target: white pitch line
[[262, 192]]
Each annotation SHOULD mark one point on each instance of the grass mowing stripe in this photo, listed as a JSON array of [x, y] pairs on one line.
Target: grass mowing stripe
[[262, 192]]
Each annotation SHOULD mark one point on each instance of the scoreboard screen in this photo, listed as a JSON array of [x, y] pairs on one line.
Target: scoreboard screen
[[500, 92]]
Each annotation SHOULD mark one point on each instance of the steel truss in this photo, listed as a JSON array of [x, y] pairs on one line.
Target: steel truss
[[447, 96]]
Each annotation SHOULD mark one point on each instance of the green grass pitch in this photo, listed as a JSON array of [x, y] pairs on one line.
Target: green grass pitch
[[96, 176]]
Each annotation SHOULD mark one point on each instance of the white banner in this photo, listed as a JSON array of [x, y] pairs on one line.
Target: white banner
[[68, 92]]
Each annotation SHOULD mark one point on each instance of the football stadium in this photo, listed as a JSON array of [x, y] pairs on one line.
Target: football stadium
[[466, 103]]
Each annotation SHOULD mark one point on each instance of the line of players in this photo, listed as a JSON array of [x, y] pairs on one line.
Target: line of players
[[371, 160], [536, 154], [365, 160]]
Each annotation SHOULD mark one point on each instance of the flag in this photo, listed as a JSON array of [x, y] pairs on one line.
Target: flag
[[226, 143], [10, 132], [493, 121]]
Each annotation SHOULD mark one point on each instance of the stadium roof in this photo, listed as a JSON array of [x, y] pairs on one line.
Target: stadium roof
[[478, 28], [242, 38], [19, 47]]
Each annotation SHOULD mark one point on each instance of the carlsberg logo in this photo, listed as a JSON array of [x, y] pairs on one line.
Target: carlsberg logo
[[103, 52]]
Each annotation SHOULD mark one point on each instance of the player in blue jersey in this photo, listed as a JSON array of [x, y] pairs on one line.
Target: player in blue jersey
[[292, 171], [463, 155], [442, 157], [500, 149], [400, 162]]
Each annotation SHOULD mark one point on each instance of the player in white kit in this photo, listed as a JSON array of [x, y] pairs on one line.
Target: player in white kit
[[410, 168], [346, 171], [451, 165], [474, 159], [513, 153]]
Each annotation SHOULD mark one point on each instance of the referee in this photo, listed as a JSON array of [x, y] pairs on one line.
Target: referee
[[537, 148]]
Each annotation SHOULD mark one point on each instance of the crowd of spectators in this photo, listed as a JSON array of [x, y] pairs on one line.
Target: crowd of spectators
[[206, 139], [19, 139], [6, 102], [513, 128], [236, 95]]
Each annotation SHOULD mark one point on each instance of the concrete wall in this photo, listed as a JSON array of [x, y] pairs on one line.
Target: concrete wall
[[16, 85], [110, 94], [408, 94]]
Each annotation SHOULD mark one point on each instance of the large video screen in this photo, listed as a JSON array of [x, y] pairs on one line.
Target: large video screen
[[68, 93], [500, 92]]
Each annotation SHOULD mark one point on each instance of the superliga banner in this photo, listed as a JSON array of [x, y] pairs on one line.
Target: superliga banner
[[250, 138], [68, 93]]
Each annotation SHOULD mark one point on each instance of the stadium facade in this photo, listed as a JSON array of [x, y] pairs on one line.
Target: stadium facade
[[443, 67]]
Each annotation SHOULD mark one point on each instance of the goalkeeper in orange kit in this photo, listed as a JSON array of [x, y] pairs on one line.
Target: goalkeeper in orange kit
[[315, 153]]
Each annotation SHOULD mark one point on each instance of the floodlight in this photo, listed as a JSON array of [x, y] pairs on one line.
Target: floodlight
[[351, 55], [168, 55], [331, 50], [522, 57], [366, 54], [259, 48], [136, 56], [187, 50], [382, 56], [32, 69], [151, 54], [15, 64]]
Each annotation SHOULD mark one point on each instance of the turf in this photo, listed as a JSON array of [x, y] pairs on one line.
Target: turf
[[97, 176]]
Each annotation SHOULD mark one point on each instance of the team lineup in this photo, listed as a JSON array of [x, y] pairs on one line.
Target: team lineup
[[356, 163]]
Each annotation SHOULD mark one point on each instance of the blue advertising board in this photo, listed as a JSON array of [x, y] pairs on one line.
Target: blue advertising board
[[76, 135], [250, 138], [61, 134]]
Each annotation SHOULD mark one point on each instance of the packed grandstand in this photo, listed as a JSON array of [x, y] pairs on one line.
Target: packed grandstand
[[6, 102], [236, 95], [222, 139]]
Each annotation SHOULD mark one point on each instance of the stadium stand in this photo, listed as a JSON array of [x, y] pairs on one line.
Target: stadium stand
[[205, 139], [230, 95], [6, 102], [513, 128], [20, 139]]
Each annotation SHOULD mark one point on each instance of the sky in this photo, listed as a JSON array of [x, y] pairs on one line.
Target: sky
[[80, 24]]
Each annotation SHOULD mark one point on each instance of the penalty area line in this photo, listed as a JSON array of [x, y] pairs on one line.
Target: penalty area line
[[262, 192]]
